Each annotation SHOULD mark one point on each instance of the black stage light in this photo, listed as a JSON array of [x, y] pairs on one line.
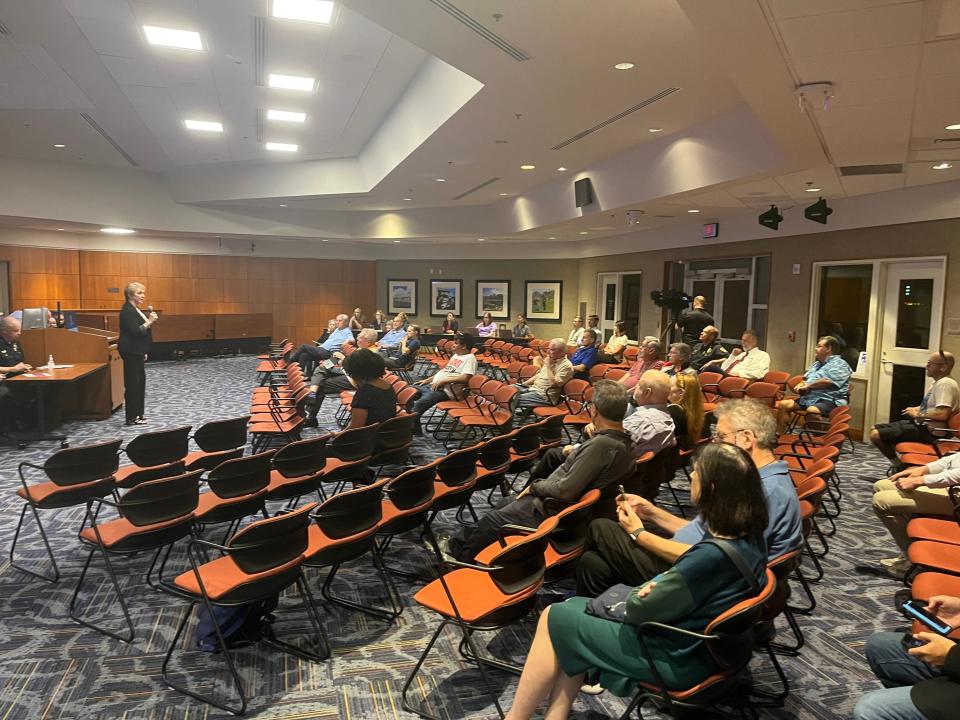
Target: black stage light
[[771, 218], [818, 212]]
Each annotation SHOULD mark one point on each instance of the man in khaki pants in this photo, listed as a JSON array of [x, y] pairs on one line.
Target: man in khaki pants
[[920, 490]]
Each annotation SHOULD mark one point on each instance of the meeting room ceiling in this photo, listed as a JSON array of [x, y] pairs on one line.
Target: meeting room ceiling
[[81, 74]]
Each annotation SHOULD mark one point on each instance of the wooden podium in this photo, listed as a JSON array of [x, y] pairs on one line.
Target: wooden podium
[[94, 397]]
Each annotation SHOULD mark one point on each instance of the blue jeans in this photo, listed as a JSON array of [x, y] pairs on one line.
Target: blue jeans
[[528, 397], [428, 398], [898, 671]]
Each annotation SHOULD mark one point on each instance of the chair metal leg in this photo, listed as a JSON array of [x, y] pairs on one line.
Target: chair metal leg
[[490, 662], [406, 704], [772, 699], [75, 616], [319, 634], [43, 535], [210, 700], [386, 614], [793, 648], [808, 591]]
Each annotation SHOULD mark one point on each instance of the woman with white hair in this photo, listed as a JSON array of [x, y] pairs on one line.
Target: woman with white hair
[[135, 340]]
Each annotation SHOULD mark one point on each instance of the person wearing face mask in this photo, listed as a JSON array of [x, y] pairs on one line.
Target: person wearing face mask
[[134, 344]]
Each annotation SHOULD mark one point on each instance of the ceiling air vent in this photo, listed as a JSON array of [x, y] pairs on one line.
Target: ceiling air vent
[[491, 37], [4, 30], [96, 126], [946, 140], [260, 118], [258, 30], [891, 169], [610, 120], [478, 187]]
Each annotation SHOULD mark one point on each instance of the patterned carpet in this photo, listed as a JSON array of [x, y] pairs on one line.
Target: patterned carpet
[[53, 668]]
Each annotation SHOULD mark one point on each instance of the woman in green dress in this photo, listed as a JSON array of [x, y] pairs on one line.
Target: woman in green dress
[[702, 584]]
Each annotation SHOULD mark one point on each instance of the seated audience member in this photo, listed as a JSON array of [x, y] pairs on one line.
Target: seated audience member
[[577, 333], [394, 336], [380, 321], [307, 354], [605, 459], [329, 377], [686, 408], [585, 356], [593, 323], [521, 329], [939, 403], [749, 362], [825, 385], [919, 490], [374, 401], [650, 426], [404, 320], [357, 320], [331, 326], [708, 349], [612, 555], [409, 347], [486, 327], [11, 361], [450, 325], [693, 320], [571, 641], [648, 358], [442, 385], [920, 683], [555, 370], [613, 351], [678, 360]]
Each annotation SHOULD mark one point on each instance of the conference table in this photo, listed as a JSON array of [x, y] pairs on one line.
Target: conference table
[[40, 379]]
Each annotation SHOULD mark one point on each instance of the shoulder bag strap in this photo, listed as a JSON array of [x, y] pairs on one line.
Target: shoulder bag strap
[[730, 550]]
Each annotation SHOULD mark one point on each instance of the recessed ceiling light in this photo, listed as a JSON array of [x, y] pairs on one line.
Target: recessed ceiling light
[[504, 194], [654, 130], [282, 147], [440, 179], [480, 239], [408, 199], [169, 37], [396, 241], [693, 210], [624, 66], [60, 229], [317, 11], [561, 169], [117, 231], [324, 240], [59, 145], [291, 82], [584, 232], [942, 166], [528, 167], [551, 238], [953, 127], [283, 204], [286, 116], [204, 125], [812, 189]]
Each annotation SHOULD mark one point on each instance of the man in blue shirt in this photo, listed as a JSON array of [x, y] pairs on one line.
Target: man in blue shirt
[[615, 555], [392, 338], [585, 356], [825, 385], [308, 355]]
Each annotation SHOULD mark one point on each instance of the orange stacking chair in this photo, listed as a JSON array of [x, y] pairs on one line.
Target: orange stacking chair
[[218, 440], [155, 455], [406, 506], [297, 470]]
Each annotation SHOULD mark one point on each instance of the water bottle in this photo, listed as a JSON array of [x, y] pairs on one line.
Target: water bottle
[[50, 363]]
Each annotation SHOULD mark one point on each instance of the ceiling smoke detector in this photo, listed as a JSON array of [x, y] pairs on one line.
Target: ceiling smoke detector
[[818, 94], [634, 216]]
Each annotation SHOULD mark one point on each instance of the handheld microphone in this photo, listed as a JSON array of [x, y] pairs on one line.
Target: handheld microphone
[[149, 308]]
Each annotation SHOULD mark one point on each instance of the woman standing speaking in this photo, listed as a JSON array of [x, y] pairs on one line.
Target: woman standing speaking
[[135, 339]]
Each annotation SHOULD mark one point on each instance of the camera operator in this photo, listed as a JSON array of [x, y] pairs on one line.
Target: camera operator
[[693, 320]]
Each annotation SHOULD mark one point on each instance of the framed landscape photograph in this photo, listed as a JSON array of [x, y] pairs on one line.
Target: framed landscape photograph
[[446, 296], [544, 300], [402, 297], [493, 296]]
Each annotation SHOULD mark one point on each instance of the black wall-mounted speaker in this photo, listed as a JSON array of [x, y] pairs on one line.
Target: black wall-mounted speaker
[[583, 189]]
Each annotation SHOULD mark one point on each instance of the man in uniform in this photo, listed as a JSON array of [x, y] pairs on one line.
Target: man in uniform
[[11, 361], [693, 320]]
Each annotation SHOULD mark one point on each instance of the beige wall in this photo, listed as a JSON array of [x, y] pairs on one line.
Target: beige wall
[[469, 271], [790, 294]]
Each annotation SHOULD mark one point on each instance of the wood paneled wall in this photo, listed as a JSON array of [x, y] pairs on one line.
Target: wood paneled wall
[[301, 293]]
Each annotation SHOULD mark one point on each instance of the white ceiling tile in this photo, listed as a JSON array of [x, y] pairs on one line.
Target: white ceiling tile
[[102, 9], [941, 57], [890, 26], [922, 173], [113, 35], [128, 71], [783, 9], [936, 156], [872, 92], [865, 184], [850, 146], [859, 65]]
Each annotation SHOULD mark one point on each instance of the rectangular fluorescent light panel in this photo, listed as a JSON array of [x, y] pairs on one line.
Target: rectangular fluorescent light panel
[[286, 116], [291, 82], [282, 147], [317, 11], [168, 37], [205, 125]]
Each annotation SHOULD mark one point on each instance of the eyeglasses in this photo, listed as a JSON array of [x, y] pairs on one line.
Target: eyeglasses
[[715, 436]]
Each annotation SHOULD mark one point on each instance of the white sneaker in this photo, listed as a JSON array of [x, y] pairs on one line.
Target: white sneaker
[[596, 689], [897, 567]]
